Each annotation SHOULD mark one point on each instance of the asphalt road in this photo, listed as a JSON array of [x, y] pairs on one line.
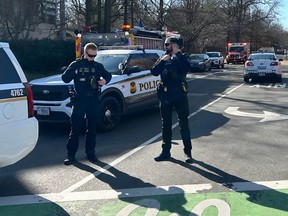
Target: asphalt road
[[239, 146]]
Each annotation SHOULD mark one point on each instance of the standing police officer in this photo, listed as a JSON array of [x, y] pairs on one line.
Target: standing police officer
[[88, 76], [172, 93]]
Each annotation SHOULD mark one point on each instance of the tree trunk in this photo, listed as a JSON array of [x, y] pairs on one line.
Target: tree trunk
[[99, 16], [107, 18], [89, 12], [62, 32]]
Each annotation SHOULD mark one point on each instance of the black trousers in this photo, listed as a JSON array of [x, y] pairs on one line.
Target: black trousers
[[83, 106], [180, 103]]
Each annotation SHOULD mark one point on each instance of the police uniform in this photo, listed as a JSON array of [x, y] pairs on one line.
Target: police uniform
[[172, 93], [85, 100]]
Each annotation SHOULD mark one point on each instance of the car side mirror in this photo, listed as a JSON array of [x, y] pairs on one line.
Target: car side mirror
[[121, 66]]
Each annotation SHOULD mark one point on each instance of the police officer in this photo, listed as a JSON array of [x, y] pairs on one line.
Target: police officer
[[172, 93], [88, 76]]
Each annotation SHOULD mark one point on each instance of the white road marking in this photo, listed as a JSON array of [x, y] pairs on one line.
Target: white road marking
[[138, 192], [128, 154], [266, 115]]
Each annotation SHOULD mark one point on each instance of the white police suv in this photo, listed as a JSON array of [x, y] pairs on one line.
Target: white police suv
[[132, 86], [18, 127]]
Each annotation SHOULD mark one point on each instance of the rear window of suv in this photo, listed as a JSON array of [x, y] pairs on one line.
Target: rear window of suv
[[8, 74]]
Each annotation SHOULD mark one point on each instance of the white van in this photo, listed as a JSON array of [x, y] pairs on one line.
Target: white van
[[18, 127]]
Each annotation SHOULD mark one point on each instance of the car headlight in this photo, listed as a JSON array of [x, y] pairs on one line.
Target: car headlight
[[200, 63]]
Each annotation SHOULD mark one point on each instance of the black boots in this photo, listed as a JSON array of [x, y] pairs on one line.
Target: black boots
[[92, 158], [188, 158], [163, 157], [69, 161]]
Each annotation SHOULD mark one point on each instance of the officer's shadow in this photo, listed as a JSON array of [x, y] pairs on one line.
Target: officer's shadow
[[134, 190], [258, 194]]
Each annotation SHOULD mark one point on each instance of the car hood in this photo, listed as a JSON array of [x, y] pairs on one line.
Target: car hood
[[50, 80], [196, 61], [214, 58], [57, 80]]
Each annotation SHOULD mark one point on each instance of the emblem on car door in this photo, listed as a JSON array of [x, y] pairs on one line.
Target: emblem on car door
[[45, 91]]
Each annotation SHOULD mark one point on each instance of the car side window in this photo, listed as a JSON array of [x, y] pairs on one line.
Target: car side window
[[8, 73], [136, 63], [150, 59]]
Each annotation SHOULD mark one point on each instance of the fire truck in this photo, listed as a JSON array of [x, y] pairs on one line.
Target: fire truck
[[237, 52], [127, 37]]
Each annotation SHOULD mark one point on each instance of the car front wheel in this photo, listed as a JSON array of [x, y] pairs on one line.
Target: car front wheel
[[109, 114]]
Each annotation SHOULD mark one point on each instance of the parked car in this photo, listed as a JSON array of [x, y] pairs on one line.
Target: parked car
[[200, 62], [132, 86], [217, 59], [18, 126], [263, 65]]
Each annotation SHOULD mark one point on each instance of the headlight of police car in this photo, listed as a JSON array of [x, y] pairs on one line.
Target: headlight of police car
[[200, 63]]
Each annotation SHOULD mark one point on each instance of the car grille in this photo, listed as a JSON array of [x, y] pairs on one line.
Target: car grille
[[50, 93], [234, 56]]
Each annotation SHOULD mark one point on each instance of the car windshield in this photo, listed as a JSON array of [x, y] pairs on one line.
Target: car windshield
[[236, 49], [262, 57], [196, 57], [111, 61], [213, 54]]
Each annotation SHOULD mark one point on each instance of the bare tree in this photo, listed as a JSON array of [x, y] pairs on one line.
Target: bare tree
[[20, 17]]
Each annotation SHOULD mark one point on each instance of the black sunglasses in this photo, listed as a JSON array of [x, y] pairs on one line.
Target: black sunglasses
[[167, 44], [91, 56]]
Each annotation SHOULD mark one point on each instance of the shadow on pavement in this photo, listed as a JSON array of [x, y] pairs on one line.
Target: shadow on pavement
[[121, 181], [267, 197]]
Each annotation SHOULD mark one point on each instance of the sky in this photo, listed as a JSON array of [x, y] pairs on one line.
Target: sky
[[283, 14]]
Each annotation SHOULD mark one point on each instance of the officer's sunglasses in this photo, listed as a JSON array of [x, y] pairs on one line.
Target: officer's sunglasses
[[167, 44], [91, 56]]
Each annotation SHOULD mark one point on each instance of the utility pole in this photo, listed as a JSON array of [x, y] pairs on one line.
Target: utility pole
[[62, 30]]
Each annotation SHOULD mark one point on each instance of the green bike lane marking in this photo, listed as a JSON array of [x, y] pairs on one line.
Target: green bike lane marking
[[244, 199]]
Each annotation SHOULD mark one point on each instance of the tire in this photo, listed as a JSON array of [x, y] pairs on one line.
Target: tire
[[109, 114], [279, 79], [246, 79], [222, 66]]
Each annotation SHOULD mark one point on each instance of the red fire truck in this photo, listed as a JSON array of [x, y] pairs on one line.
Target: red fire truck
[[127, 37], [237, 52]]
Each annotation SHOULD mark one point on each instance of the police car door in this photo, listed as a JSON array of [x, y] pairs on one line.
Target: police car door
[[18, 132], [142, 84]]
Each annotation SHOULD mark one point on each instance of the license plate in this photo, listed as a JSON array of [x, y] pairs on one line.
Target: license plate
[[261, 67], [261, 74], [43, 111]]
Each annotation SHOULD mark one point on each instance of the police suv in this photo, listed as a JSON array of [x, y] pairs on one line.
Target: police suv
[[132, 86], [18, 127]]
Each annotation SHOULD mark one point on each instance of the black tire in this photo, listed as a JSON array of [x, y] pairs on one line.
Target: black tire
[[109, 114], [246, 79], [279, 80], [222, 66]]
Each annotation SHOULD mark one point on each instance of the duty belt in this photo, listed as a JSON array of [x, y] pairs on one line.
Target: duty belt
[[181, 86]]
